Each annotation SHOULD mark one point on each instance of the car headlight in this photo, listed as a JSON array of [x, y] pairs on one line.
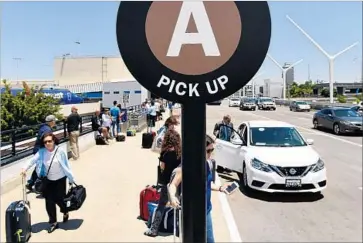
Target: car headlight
[[258, 165], [346, 123], [318, 166]]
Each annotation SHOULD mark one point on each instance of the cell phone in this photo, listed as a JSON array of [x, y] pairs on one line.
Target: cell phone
[[231, 188]]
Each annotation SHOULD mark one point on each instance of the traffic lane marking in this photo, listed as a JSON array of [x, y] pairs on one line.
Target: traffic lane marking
[[316, 132]]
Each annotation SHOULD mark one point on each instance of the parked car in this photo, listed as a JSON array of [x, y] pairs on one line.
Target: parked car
[[299, 106], [272, 156], [234, 102], [247, 104], [358, 109], [265, 103], [339, 120]]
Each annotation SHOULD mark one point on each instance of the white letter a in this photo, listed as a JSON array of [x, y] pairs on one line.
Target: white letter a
[[205, 35]]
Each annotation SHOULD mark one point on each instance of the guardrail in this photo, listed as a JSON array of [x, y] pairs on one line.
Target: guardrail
[[19, 143], [315, 105]]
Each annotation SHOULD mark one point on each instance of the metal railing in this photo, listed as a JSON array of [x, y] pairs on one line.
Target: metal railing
[[19, 143]]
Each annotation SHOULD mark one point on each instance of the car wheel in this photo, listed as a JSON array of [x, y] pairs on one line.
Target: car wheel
[[336, 129], [290, 109], [316, 124], [308, 110], [246, 188]]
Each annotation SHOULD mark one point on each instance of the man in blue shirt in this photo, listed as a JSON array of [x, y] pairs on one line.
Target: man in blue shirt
[[115, 116]]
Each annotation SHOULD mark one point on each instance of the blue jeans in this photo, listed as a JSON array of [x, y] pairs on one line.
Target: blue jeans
[[210, 234], [115, 124]]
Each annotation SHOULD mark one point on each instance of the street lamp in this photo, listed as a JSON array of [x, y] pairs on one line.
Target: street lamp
[[284, 71], [331, 58]]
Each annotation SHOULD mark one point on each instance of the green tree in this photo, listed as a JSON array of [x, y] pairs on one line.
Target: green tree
[[326, 93], [26, 109], [341, 99]]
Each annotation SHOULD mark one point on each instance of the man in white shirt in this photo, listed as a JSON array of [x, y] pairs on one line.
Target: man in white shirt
[[157, 109]]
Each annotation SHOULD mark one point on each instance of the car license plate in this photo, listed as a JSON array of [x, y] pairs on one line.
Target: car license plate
[[293, 183]]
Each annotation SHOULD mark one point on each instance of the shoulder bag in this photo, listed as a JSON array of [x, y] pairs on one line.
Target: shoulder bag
[[40, 184]]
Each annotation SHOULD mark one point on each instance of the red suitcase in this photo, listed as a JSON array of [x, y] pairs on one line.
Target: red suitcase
[[149, 194]]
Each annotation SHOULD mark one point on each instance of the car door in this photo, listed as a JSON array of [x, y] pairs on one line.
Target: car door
[[329, 119], [321, 117], [228, 155]]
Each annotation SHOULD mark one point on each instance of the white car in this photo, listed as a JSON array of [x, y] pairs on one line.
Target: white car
[[234, 102], [272, 156]]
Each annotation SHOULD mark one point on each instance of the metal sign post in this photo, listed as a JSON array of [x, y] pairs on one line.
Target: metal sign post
[[193, 62]]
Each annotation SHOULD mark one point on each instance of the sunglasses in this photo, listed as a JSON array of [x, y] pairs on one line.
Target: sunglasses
[[210, 150], [47, 141]]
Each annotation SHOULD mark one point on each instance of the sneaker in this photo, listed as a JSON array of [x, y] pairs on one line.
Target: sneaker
[[29, 187]]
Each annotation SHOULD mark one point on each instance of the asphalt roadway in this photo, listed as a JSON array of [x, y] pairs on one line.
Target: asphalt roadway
[[336, 216]]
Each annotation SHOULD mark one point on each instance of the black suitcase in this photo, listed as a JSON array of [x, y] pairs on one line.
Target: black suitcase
[[120, 138], [147, 140], [75, 197], [100, 140], [18, 220]]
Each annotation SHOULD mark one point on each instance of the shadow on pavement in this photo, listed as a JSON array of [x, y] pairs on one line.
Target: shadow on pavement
[[72, 224], [275, 197]]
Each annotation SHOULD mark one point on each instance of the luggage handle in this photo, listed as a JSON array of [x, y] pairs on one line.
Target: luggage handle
[[25, 195]]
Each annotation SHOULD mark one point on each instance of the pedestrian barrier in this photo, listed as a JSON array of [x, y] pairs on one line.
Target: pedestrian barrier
[[314, 105]]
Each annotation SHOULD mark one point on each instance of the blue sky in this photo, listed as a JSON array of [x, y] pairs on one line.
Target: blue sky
[[38, 31]]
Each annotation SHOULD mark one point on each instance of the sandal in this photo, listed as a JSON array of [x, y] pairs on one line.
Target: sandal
[[53, 227], [65, 217], [150, 233]]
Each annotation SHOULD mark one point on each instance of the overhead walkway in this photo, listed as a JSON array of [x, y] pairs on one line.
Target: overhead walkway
[[113, 175]]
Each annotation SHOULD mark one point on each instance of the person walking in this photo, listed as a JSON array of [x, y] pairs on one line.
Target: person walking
[[50, 122], [170, 158], [73, 122], [52, 163], [174, 186]]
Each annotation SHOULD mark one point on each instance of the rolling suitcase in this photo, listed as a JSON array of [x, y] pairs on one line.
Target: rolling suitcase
[[149, 194], [17, 220], [147, 140]]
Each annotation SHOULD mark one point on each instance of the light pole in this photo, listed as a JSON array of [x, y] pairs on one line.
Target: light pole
[[284, 71], [331, 58], [62, 65], [17, 60]]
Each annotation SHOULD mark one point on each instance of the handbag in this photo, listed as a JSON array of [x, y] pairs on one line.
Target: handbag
[[40, 184], [75, 197]]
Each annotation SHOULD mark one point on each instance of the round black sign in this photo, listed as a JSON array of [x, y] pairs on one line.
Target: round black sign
[[193, 51]]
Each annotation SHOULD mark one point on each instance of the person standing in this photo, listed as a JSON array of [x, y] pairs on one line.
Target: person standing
[[224, 130], [50, 122], [52, 162], [115, 117], [73, 122], [170, 158], [176, 180], [152, 116]]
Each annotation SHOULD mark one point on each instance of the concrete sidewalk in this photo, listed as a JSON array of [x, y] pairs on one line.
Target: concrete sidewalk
[[114, 175]]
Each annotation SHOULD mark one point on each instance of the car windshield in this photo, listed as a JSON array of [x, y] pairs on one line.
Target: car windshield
[[234, 99], [266, 100], [275, 137], [249, 100], [301, 103], [346, 113]]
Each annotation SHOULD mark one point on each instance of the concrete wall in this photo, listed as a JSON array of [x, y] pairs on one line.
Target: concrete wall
[[83, 70]]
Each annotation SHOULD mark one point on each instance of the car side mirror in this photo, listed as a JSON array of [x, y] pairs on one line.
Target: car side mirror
[[310, 141]]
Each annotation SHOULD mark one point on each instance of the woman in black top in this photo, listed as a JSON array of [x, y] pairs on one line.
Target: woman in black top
[[170, 158]]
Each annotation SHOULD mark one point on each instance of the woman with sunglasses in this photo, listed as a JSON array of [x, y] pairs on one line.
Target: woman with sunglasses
[[176, 180], [52, 162]]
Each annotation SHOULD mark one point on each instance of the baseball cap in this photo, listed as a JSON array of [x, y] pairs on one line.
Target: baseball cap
[[50, 118]]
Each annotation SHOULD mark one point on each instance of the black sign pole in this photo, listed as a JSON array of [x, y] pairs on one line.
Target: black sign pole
[[194, 181]]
